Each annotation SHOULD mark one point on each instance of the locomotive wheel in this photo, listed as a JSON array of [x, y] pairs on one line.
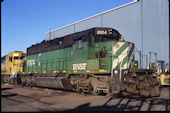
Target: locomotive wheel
[[94, 93], [14, 81], [7, 79], [78, 89]]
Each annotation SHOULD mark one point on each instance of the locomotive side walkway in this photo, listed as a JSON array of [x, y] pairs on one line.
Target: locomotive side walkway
[[17, 99]]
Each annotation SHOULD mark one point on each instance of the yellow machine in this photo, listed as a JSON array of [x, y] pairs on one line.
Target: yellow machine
[[165, 79], [13, 63], [163, 73]]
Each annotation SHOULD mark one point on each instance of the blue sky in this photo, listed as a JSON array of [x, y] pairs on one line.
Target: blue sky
[[25, 22]]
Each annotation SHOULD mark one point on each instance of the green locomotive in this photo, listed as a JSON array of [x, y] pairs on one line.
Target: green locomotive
[[97, 60], [91, 51]]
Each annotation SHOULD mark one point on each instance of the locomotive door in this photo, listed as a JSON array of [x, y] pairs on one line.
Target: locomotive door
[[79, 54], [38, 63], [80, 50]]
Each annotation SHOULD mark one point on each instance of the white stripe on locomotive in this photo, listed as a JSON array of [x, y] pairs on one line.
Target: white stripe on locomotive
[[121, 57]]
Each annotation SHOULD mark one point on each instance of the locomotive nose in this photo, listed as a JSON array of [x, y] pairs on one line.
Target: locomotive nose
[[123, 53]]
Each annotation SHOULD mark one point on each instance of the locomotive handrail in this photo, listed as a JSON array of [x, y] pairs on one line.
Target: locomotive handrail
[[120, 71]]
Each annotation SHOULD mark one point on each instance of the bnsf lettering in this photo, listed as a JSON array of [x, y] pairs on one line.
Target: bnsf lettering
[[81, 66]]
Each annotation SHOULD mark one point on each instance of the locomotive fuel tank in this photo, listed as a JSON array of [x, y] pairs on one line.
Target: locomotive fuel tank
[[53, 82]]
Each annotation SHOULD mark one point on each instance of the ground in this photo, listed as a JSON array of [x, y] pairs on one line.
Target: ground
[[17, 99]]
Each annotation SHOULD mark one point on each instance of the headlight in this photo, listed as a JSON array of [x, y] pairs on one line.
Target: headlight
[[115, 71]]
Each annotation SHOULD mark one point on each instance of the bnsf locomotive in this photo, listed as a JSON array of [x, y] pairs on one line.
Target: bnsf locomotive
[[96, 61]]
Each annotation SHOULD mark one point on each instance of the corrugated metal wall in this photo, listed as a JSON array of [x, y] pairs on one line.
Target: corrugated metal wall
[[144, 22]]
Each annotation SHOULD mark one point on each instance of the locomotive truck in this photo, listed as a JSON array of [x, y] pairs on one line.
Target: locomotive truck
[[96, 61]]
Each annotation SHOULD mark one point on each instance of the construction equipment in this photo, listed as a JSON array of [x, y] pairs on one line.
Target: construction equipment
[[163, 73]]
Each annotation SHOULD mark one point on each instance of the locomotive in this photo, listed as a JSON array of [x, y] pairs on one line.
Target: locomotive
[[12, 64], [97, 60]]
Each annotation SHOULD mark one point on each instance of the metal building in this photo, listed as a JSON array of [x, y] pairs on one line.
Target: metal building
[[144, 22]]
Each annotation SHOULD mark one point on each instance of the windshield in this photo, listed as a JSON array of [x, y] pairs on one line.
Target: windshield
[[22, 58], [15, 58], [103, 39]]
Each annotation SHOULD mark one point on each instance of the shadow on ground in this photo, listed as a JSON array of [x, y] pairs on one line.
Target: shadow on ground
[[3, 89], [119, 106], [8, 95]]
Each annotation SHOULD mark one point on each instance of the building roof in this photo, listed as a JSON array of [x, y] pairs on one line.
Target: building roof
[[93, 16]]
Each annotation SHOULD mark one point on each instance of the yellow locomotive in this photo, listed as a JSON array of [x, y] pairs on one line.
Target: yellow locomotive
[[12, 64]]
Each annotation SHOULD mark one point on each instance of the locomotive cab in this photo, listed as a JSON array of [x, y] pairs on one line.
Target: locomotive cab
[[91, 49], [14, 62]]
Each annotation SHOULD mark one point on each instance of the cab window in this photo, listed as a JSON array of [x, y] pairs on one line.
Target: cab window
[[22, 58], [16, 58], [91, 41], [79, 44], [10, 59], [102, 39]]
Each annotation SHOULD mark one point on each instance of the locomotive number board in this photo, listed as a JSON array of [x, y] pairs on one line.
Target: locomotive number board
[[104, 31]]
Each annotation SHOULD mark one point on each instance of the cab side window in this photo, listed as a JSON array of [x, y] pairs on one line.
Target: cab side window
[[10, 59], [16, 58], [91, 41], [22, 58], [79, 44]]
